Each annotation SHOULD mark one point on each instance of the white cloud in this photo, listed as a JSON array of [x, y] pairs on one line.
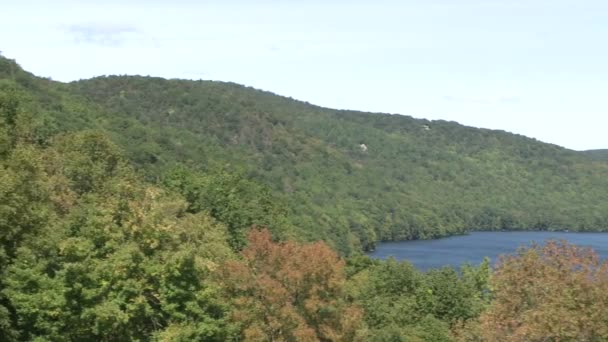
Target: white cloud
[[105, 34]]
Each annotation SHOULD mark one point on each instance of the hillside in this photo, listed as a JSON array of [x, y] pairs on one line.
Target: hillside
[[597, 154], [350, 178]]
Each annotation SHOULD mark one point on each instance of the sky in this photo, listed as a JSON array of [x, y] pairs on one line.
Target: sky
[[532, 67]]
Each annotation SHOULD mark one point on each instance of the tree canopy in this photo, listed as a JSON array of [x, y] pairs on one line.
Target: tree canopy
[[142, 209], [416, 179], [556, 292]]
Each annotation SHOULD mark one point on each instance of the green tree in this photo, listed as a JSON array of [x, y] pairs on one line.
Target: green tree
[[232, 199], [92, 253], [404, 304]]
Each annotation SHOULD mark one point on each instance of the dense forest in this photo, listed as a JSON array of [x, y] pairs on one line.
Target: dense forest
[[597, 154], [142, 209], [348, 178]]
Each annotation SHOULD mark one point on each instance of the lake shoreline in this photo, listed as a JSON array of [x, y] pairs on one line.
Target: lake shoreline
[[472, 247]]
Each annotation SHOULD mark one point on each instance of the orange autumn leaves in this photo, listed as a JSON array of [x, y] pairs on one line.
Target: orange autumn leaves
[[290, 292], [295, 292], [557, 292]]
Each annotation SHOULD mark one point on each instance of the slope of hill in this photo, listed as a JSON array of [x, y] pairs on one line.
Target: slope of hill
[[350, 178], [597, 154]]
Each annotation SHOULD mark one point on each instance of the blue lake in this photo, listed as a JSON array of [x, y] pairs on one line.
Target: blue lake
[[472, 248]]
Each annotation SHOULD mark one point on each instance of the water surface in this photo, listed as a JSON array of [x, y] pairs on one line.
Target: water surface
[[472, 248]]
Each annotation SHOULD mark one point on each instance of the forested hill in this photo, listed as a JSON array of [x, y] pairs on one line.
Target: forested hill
[[350, 178], [597, 154]]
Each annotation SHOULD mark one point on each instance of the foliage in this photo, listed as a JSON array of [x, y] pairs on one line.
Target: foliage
[[290, 292], [89, 252], [230, 198], [142, 209], [117, 269], [597, 154], [555, 292], [403, 304], [418, 179]]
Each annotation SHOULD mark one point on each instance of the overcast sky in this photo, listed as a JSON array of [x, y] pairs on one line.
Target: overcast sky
[[534, 67]]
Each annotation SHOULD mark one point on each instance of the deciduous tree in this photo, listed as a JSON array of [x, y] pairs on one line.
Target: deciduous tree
[[557, 292], [290, 292]]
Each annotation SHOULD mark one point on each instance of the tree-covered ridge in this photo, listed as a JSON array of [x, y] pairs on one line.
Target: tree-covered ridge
[[90, 251], [597, 154], [93, 249], [350, 178]]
